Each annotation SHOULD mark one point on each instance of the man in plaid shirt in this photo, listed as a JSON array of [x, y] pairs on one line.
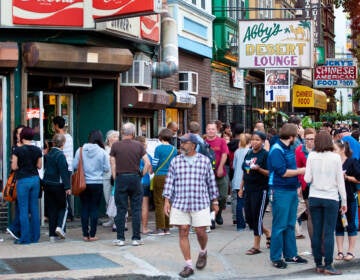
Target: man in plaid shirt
[[190, 188]]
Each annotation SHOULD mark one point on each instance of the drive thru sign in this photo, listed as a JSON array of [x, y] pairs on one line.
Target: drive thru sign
[[340, 73]]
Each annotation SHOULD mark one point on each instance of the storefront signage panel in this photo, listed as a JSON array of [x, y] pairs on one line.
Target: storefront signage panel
[[275, 44], [277, 85], [143, 27], [306, 97], [109, 9], [49, 12], [338, 73]]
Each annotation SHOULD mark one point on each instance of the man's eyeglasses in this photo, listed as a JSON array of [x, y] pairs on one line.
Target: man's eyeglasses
[[309, 139]]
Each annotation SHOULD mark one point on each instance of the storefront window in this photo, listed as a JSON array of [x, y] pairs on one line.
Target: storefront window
[[143, 125], [57, 105]]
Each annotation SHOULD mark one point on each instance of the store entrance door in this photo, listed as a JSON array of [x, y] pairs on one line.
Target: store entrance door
[[47, 105]]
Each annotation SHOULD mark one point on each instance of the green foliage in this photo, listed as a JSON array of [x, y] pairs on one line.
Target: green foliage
[[307, 122]]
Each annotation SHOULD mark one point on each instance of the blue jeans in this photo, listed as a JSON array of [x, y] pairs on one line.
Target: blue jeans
[[240, 220], [15, 224], [90, 202], [324, 213], [28, 200], [284, 207], [128, 186]]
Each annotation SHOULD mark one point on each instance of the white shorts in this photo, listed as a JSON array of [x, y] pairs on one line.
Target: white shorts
[[196, 219]]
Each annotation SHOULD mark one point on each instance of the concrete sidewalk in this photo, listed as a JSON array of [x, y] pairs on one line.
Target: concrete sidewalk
[[160, 257]]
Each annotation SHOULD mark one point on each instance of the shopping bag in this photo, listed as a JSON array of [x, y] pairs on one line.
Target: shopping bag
[[78, 183], [9, 190]]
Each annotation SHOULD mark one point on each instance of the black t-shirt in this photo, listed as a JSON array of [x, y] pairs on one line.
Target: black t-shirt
[[352, 167], [28, 156], [254, 180]]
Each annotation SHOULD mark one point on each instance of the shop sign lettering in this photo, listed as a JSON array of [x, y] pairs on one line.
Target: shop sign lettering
[[48, 12], [336, 73], [275, 44]]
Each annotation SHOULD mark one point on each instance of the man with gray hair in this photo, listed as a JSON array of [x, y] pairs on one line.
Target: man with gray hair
[[125, 156]]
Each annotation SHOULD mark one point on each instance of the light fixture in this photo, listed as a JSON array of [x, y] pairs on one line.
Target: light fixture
[[273, 109]]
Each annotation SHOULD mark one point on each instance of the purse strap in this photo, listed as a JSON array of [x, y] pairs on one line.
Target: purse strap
[[167, 159], [80, 159]]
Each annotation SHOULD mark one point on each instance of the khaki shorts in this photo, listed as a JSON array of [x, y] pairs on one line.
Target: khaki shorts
[[196, 219]]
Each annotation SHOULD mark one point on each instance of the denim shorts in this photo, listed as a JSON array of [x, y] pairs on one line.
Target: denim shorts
[[147, 192]]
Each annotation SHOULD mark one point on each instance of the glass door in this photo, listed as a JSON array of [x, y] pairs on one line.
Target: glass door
[[56, 104]]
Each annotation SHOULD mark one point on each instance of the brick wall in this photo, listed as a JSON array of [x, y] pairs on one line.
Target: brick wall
[[192, 62], [222, 90]]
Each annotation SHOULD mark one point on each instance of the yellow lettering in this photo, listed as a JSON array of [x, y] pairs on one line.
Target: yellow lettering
[[250, 49]]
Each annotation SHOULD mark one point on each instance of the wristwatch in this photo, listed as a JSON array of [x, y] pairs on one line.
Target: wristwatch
[[215, 202]]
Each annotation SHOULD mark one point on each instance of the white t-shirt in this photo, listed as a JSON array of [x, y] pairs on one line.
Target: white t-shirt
[[69, 151]]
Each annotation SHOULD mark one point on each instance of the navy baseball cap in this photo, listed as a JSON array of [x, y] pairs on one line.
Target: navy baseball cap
[[189, 137]]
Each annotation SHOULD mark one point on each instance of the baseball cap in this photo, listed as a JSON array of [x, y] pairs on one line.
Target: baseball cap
[[189, 137]]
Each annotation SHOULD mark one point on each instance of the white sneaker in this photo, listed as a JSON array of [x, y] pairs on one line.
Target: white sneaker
[[208, 229], [60, 232], [52, 239], [109, 223], [137, 242], [118, 242]]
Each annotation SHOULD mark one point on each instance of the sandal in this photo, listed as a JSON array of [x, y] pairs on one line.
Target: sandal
[[95, 238], [340, 256], [253, 251], [268, 242], [349, 256]]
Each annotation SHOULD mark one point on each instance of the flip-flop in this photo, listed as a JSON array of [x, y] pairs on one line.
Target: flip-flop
[[253, 251], [268, 242], [340, 256], [349, 256]]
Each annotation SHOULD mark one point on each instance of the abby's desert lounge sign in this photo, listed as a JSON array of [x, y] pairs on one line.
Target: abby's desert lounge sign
[[275, 44]]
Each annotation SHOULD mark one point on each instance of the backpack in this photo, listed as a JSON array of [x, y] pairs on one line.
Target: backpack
[[206, 150]]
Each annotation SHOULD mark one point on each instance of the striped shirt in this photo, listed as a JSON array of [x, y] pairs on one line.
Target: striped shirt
[[190, 184]]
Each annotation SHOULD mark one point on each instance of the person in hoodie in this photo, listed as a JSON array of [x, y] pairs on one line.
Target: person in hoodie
[[95, 164], [56, 184]]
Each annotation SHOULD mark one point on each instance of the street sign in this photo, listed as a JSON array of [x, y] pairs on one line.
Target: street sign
[[338, 73]]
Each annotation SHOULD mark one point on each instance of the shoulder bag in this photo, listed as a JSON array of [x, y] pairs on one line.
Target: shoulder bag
[[9, 191], [78, 183], [161, 166]]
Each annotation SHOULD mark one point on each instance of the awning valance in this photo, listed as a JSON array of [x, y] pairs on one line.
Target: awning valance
[[181, 99], [306, 97], [9, 55], [152, 99], [58, 56]]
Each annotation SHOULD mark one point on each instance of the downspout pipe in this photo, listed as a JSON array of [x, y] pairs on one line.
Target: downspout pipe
[[169, 49]]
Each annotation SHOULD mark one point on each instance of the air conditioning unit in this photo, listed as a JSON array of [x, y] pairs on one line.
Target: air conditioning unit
[[138, 75], [188, 81], [78, 82]]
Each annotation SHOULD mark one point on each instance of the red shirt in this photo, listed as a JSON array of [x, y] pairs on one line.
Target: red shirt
[[220, 147], [300, 162]]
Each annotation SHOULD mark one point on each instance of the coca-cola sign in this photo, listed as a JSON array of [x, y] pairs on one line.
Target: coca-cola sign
[[48, 12], [110, 9], [150, 27]]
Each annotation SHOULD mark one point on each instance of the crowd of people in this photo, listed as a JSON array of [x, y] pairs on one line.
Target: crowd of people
[[295, 173]]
